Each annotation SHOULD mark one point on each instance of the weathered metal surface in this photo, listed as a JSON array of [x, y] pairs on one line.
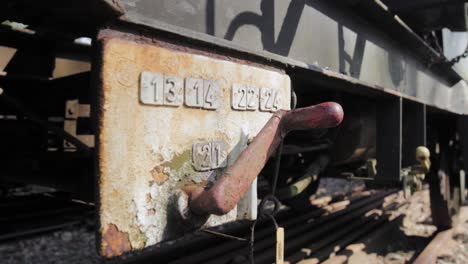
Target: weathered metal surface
[[223, 196], [318, 36], [289, 32], [392, 25], [115, 242], [146, 152]]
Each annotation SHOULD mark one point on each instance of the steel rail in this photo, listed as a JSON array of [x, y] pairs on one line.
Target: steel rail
[[306, 233], [262, 232], [304, 229], [191, 248], [430, 253]]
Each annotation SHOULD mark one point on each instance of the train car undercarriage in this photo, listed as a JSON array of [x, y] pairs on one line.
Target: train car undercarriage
[[170, 116]]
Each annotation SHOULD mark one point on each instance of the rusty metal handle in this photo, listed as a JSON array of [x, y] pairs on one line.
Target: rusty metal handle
[[223, 196]]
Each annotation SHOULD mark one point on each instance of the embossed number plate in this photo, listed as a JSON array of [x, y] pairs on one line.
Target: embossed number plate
[[169, 119]]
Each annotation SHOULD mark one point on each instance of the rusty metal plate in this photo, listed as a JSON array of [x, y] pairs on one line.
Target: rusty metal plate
[[168, 120]]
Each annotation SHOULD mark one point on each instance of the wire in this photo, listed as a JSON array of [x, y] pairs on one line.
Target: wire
[[262, 207]]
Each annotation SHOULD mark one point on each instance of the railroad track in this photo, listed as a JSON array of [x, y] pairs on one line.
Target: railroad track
[[430, 253], [309, 236], [312, 235], [28, 215], [444, 243]]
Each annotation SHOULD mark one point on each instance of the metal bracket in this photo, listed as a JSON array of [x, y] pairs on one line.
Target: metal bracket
[[73, 111]]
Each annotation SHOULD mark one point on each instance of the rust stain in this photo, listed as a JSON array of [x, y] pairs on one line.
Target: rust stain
[[115, 242], [158, 175]]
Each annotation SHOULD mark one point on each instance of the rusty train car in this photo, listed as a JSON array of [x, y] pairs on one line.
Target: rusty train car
[[171, 115]]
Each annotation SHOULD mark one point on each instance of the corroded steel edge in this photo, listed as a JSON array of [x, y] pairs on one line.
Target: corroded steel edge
[[161, 40]]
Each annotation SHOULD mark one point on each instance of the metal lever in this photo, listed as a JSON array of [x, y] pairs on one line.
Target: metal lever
[[226, 192]]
